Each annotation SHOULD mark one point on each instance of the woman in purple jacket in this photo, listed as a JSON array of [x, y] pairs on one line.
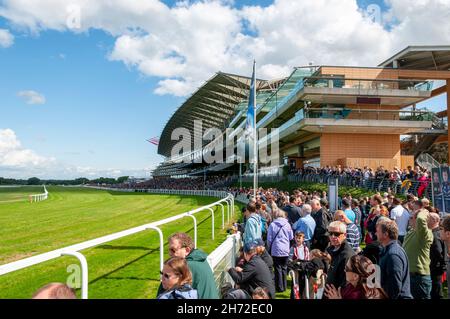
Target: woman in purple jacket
[[279, 237]]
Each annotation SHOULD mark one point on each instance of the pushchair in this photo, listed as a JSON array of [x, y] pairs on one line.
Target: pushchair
[[313, 288]]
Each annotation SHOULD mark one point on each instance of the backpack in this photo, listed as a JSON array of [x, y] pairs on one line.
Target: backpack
[[264, 225]]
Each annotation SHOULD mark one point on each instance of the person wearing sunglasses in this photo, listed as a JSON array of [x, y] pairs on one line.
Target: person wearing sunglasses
[[340, 252], [181, 245], [176, 280]]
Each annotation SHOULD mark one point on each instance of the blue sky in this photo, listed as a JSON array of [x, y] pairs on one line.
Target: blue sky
[[98, 112]]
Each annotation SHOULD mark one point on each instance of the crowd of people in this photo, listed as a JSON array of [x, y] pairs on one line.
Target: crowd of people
[[410, 180], [377, 247], [186, 183], [371, 248]]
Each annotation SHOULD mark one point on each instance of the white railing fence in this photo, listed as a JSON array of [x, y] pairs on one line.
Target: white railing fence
[[39, 197], [242, 198], [223, 258], [74, 250]]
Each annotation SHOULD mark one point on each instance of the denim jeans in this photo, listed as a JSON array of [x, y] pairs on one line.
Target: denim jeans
[[420, 286]]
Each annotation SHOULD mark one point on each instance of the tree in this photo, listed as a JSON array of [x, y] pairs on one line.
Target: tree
[[80, 181], [122, 179], [34, 181]]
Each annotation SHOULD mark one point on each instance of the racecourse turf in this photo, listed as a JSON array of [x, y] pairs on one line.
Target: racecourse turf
[[124, 268]]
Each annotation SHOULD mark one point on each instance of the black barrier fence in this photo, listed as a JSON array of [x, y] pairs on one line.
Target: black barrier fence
[[417, 188]]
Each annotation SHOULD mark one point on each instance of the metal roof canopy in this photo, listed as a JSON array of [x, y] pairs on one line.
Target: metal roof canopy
[[213, 103], [421, 58]]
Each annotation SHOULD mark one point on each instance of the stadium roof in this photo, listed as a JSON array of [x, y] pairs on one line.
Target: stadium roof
[[421, 58], [214, 103]]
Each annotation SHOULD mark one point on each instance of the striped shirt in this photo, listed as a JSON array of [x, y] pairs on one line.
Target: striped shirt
[[353, 236]]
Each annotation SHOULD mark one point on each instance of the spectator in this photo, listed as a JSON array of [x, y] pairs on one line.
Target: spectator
[[357, 271], [181, 245], [262, 252], [394, 265], [358, 215], [353, 237], [445, 236], [55, 290], [371, 221], [322, 219], [340, 252], [401, 217], [292, 210], [346, 206], [306, 224], [437, 258], [278, 241], [445, 230], [417, 245], [253, 224], [260, 293], [176, 280], [299, 250], [254, 272]]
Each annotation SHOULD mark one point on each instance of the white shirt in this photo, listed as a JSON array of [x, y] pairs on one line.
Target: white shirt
[[401, 216]]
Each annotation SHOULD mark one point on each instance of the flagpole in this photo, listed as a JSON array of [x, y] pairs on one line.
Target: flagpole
[[255, 136]]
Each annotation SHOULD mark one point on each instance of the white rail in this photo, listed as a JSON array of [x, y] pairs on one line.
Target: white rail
[[39, 197], [74, 249], [223, 258]]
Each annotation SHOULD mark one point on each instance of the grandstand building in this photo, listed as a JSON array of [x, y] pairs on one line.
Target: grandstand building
[[326, 115]]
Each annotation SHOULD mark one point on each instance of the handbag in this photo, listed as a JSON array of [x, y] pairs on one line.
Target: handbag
[[273, 239]]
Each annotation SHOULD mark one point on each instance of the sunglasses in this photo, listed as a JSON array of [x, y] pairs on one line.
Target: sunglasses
[[335, 234], [167, 276]]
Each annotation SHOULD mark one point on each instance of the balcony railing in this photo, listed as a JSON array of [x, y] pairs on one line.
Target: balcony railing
[[368, 114], [367, 84]]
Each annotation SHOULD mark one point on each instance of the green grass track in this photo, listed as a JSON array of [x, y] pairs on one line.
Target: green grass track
[[124, 268]]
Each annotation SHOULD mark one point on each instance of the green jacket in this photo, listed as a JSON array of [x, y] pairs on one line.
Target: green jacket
[[202, 275], [417, 245]]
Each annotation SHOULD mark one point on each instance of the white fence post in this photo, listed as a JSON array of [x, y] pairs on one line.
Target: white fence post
[[161, 246], [212, 221], [195, 228], [223, 215]]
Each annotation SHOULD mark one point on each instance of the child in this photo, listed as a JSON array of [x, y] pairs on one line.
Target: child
[[299, 251]]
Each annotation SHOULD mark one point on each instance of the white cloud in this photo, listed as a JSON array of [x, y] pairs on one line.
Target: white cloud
[[19, 162], [184, 45], [32, 97], [6, 38], [14, 156]]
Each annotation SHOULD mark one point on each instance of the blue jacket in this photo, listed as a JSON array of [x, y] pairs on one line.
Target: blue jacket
[[183, 292], [306, 225], [252, 228], [394, 269]]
